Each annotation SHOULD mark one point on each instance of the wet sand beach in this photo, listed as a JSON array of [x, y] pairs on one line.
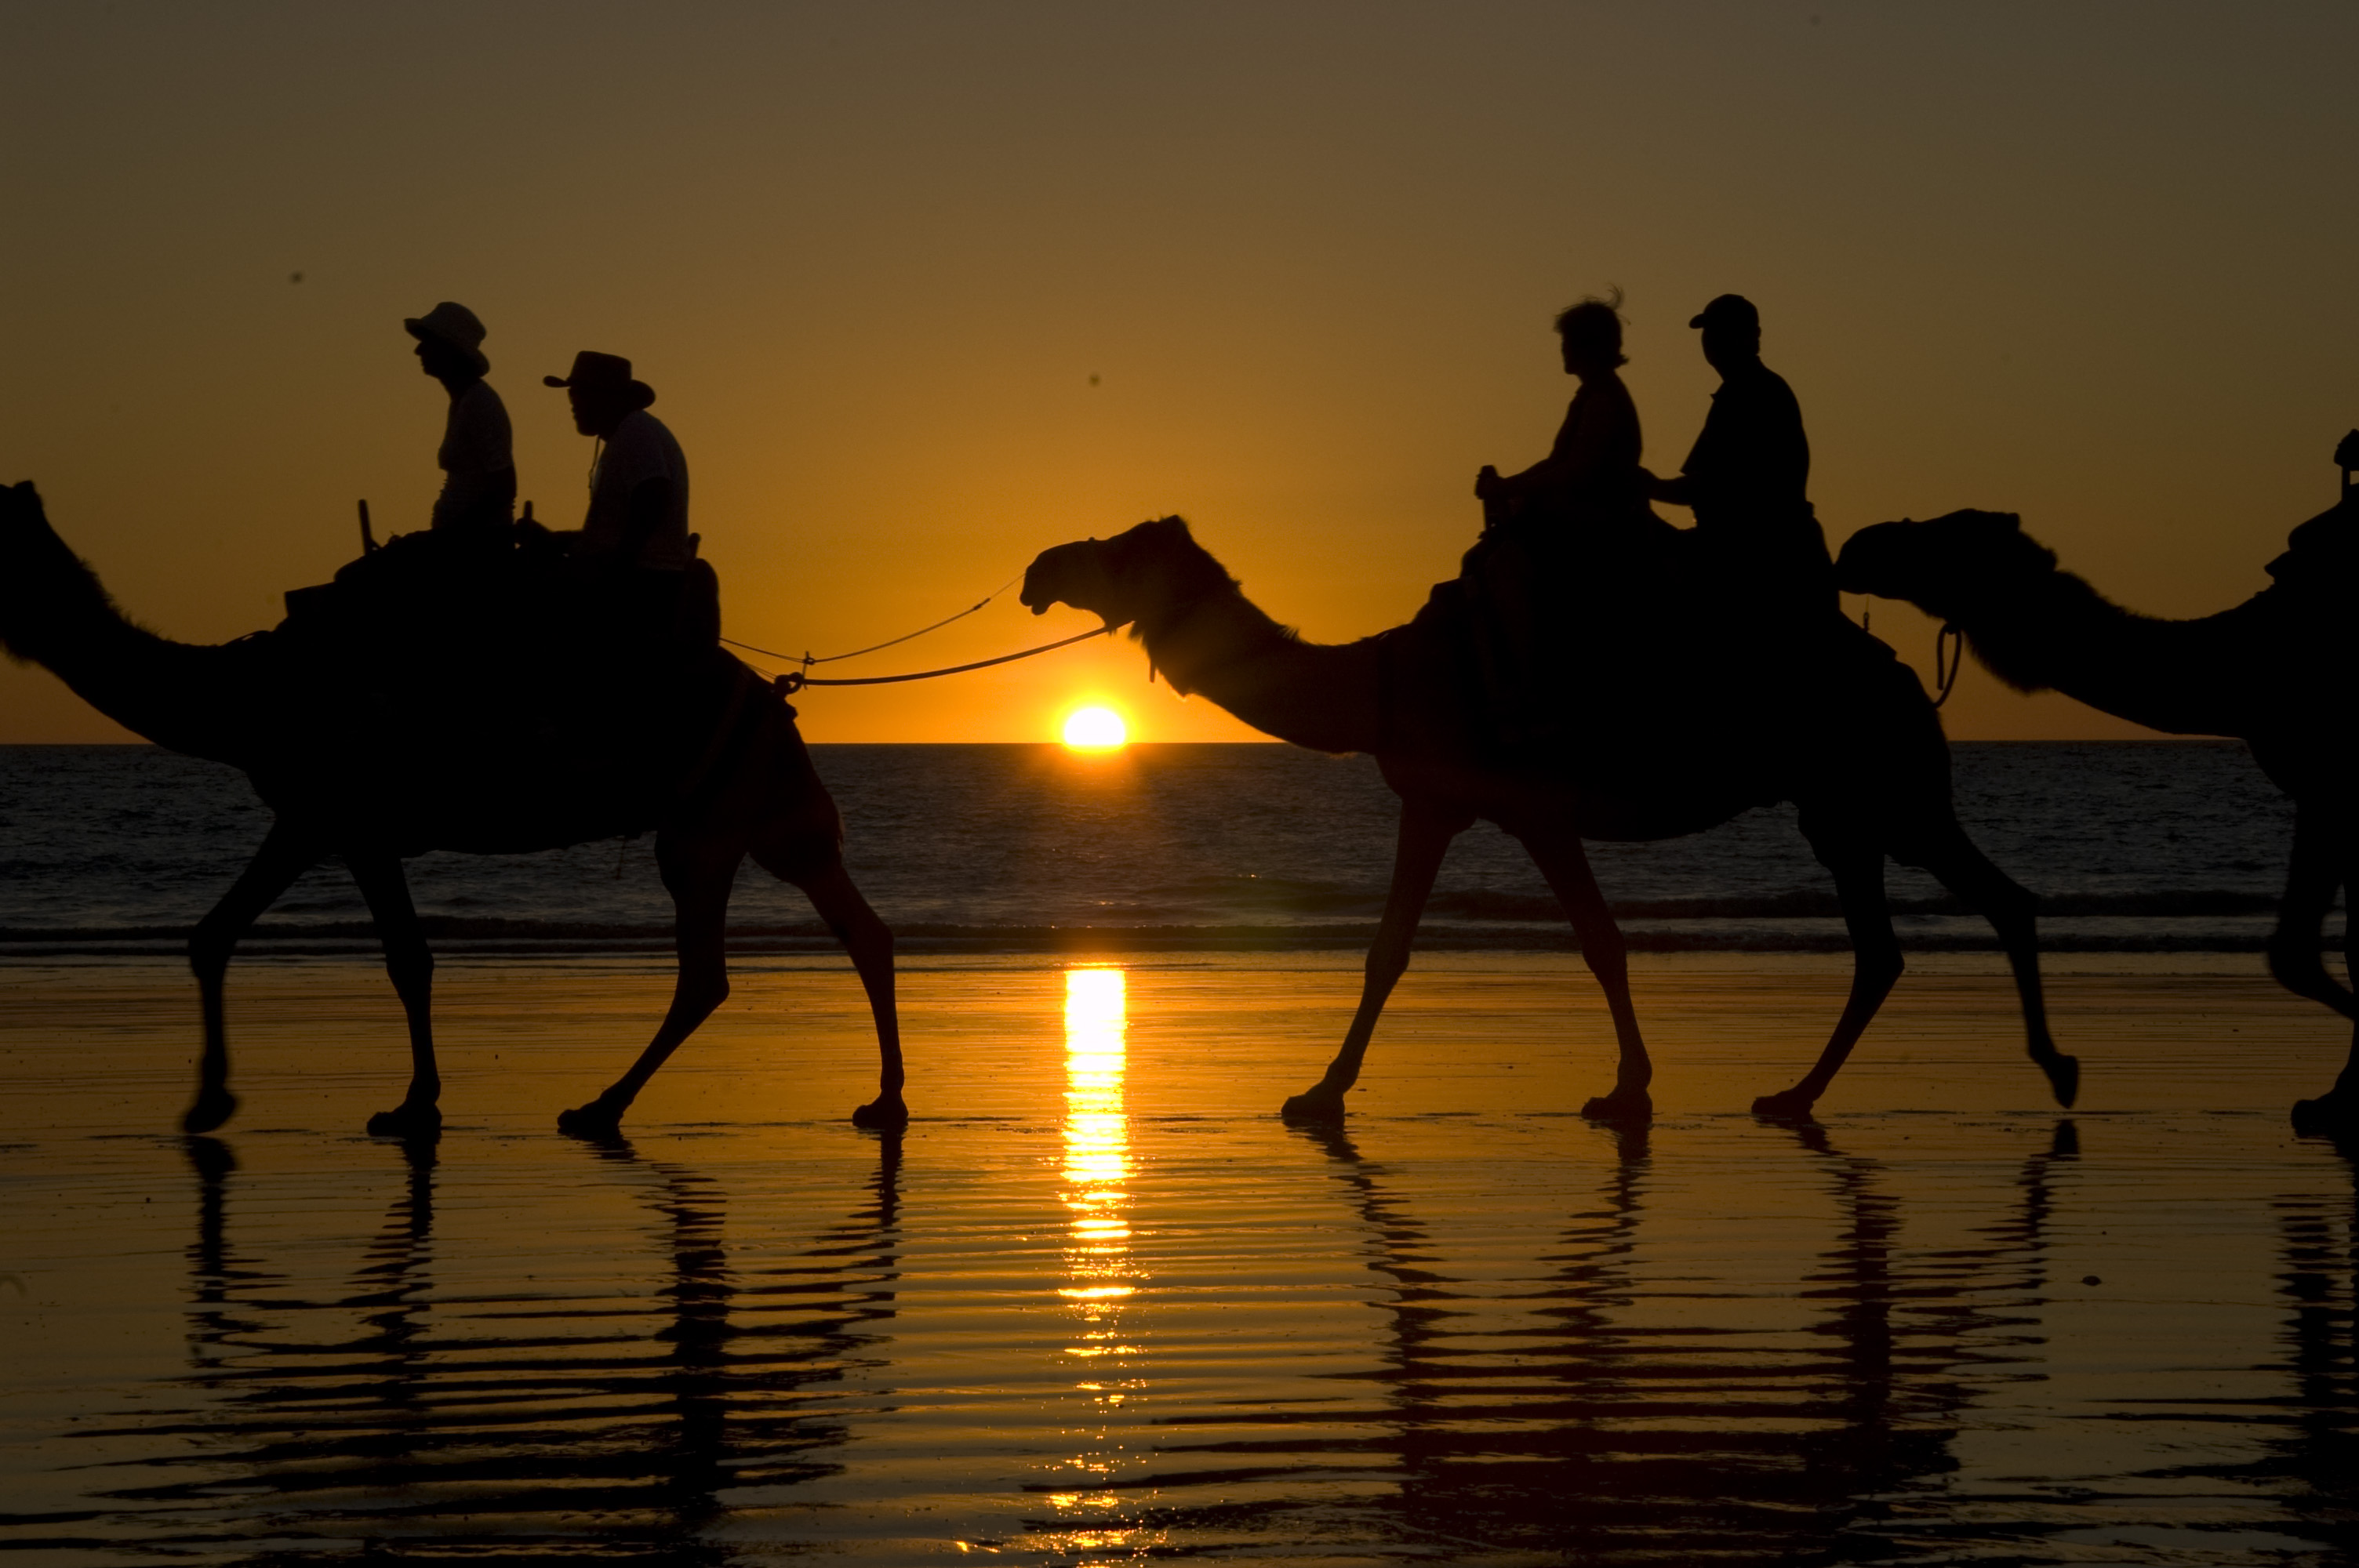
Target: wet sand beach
[[1099, 1303]]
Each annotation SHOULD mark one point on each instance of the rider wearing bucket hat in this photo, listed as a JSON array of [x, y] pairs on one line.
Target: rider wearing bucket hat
[[477, 458]]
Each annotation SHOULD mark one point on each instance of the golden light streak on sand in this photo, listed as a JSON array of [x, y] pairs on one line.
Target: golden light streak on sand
[[1098, 1265]]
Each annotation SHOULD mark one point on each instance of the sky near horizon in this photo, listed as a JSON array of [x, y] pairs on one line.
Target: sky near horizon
[[925, 288]]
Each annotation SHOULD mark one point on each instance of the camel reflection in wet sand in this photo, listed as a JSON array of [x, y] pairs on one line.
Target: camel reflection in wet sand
[[1587, 1386], [1539, 1418], [410, 1433]]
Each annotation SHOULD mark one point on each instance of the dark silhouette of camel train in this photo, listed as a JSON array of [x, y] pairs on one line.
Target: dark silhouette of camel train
[[401, 711]]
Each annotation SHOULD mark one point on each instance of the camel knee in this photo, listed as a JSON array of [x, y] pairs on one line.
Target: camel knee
[[409, 969], [209, 948], [700, 994], [1603, 946], [1879, 966], [867, 938], [2300, 965]]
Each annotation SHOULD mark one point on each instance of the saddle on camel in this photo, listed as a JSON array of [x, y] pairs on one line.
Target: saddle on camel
[[444, 693]]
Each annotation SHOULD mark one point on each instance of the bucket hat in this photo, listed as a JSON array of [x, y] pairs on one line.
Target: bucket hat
[[453, 323]]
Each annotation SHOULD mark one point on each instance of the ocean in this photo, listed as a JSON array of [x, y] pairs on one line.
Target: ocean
[[2174, 845]]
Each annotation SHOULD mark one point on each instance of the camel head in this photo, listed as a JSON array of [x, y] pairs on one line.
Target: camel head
[[1947, 567], [46, 592], [1139, 578]]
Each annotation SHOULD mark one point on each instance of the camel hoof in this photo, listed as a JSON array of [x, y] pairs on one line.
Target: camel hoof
[[597, 1121], [213, 1107], [406, 1121], [882, 1115], [1788, 1105], [1622, 1105], [2331, 1115], [2063, 1077], [1322, 1104]]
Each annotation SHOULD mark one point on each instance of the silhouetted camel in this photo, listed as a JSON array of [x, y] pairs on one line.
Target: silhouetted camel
[[2273, 671], [749, 789], [1866, 765]]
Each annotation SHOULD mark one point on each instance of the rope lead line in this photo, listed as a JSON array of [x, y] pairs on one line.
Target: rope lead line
[[1945, 673], [794, 681], [807, 660]]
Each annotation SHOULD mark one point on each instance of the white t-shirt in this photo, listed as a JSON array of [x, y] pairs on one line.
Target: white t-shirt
[[639, 449], [478, 461]]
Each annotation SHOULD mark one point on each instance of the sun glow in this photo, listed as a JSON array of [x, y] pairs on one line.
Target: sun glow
[[1095, 729]]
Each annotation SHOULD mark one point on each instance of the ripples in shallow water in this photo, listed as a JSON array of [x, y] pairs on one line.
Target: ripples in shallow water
[[1096, 1332]]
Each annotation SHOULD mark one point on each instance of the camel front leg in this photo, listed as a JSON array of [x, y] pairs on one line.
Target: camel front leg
[[2314, 873], [1565, 864], [409, 964], [2322, 863], [2013, 913], [870, 943], [1875, 966], [1425, 835], [699, 876], [286, 854]]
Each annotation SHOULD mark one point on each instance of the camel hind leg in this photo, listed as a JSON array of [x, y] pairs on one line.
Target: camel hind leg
[[699, 873], [2013, 911], [870, 943]]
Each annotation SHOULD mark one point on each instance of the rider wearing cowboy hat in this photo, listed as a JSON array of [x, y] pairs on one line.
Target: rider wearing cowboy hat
[[639, 489]]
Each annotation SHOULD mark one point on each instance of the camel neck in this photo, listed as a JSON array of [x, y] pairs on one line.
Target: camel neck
[[55, 613], [2055, 631], [1316, 695]]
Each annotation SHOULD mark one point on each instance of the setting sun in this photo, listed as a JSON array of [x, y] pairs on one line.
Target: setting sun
[[1095, 729]]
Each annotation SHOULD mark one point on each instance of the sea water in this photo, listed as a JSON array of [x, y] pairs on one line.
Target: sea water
[[2139, 846]]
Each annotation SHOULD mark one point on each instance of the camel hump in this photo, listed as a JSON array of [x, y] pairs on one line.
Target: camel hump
[[505, 698], [1569, 636]]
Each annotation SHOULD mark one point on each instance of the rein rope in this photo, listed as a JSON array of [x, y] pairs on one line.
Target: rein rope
[[807, 660], [1951, 642], [796, 679]]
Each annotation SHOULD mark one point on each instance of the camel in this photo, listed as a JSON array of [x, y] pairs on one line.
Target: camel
[[2273, 672], [740, 783], [1869, 770]]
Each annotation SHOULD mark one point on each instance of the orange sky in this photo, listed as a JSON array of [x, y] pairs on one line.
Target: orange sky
[[2089, 263]]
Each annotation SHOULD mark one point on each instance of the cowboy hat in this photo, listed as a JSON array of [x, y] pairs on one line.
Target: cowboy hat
[[595, 372]]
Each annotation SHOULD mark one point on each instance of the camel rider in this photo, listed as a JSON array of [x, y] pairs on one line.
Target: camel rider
[[1591, 474], [1748, 475], [1552, 578], [634, 541], [479, 481]]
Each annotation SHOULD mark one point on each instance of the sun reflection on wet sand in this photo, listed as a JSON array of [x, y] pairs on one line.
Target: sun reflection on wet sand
[[1100, 1274]]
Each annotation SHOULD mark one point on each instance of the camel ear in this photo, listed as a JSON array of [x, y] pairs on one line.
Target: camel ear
[[20, 503]]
